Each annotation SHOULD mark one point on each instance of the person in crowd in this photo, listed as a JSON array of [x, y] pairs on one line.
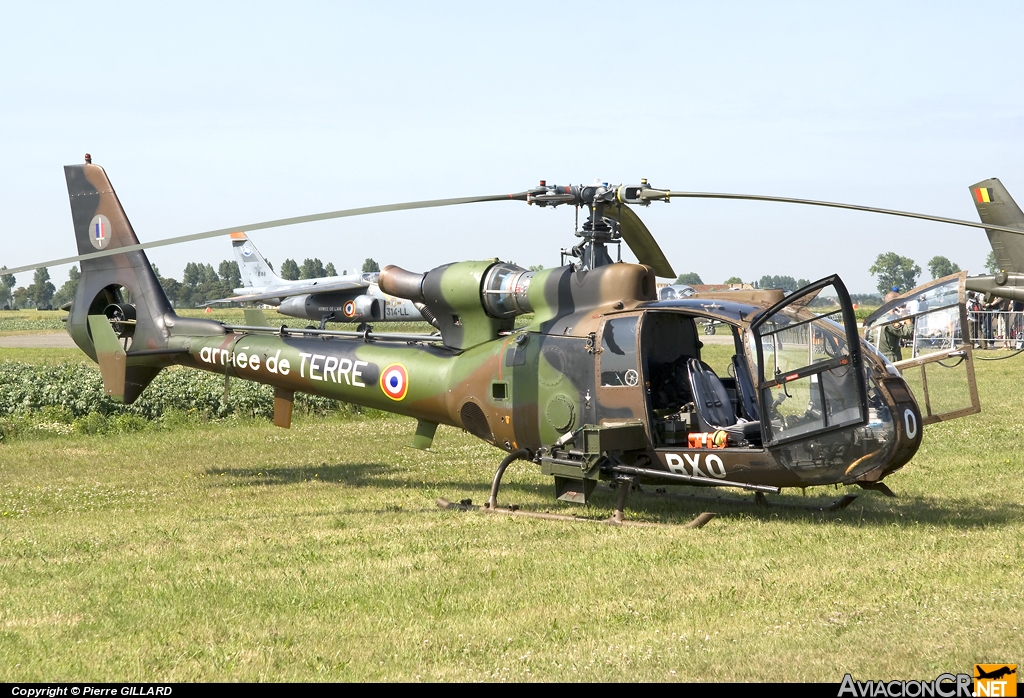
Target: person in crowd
[[974, 317], [892, 334]]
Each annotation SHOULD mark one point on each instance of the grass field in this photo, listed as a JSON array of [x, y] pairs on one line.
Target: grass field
[[237, 551]]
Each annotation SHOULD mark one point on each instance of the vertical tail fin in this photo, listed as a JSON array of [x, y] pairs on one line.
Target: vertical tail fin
[[254, 269], [996, 207], [120, 289]]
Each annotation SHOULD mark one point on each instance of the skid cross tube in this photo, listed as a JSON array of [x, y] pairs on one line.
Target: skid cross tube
[[624, 484], [518, 454]]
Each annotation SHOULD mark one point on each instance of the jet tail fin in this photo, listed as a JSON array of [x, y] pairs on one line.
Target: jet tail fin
[[996, 207], [255, 270]]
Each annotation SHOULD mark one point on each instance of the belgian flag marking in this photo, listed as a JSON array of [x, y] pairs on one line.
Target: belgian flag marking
[[983, 195]]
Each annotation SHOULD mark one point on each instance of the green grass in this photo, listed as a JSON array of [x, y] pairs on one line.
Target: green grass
[[237, 551]]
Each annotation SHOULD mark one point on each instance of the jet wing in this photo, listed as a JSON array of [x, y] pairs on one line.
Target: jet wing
[[313, 286]]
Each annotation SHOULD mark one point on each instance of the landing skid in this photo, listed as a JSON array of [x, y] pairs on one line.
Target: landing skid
[[878, 487], [759, 500], [618, 518], [614, 520]]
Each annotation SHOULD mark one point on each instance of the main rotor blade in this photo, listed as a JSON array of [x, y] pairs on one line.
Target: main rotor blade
[[832, 204], [640, 240], [281, 222]]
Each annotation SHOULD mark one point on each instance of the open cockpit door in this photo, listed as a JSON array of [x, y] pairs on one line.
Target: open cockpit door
[[931, 320], [809, 377]]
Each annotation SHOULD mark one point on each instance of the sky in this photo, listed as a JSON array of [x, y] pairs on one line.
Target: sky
[[218, 115]]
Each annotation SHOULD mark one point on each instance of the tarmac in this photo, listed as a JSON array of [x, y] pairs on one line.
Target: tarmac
[[57, 340], [720, 338]]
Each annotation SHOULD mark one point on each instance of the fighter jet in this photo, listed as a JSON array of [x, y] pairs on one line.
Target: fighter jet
[[347, 298]]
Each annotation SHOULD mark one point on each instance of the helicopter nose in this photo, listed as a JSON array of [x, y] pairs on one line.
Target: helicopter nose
[[907, 421]]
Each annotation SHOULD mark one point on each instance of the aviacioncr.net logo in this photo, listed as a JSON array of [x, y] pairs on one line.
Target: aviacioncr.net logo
[[943, 686], [995, 680]]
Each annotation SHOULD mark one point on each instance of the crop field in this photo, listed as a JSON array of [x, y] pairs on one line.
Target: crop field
[[20, 322], [31, 321], [193, 545]]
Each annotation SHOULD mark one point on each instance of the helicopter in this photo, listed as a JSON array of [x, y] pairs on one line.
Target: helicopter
[[605, 383], [996, 206]]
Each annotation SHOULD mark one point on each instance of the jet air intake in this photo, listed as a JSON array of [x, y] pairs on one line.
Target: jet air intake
[[336, 307]]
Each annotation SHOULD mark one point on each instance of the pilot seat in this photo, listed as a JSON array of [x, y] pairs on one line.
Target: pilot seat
[[714, 407]]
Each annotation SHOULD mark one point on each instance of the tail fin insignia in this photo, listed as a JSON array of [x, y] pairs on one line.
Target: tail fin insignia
[[100, 228], [253, 267]]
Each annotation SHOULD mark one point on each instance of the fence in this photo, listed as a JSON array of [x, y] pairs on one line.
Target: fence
[[997, 329]]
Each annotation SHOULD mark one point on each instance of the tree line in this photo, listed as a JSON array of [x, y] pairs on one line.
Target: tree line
[[37, 295], [200, 283], [890, 269], [786, 283]]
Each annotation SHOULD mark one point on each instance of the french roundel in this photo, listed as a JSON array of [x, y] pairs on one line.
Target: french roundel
[[394, 381], [349, 309]]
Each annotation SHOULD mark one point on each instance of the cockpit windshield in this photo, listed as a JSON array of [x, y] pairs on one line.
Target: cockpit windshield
[[807, 370], [929, 300], [794, 338]]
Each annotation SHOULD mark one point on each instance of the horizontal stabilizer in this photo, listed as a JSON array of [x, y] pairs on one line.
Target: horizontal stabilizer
[[254, 317], [110, 355]]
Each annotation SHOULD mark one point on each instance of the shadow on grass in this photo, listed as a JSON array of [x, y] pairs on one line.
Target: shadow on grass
[[872, 510], [866, 510], [349, 474], [376, 475]]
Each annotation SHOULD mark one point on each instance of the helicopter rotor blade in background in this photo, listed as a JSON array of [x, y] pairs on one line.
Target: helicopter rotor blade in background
[[640, 240], [281, 222], [663, 195]]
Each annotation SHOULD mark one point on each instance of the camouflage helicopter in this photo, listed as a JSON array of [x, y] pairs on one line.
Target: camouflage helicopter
[[606, 382]]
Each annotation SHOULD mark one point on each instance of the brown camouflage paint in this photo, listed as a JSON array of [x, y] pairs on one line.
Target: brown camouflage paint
[[530, 387]]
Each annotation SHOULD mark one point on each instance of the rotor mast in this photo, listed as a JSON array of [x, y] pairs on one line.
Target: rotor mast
[[600, 229]]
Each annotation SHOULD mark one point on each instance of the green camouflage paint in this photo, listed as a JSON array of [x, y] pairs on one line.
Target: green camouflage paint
[[534, 389]]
